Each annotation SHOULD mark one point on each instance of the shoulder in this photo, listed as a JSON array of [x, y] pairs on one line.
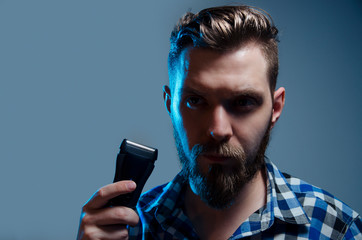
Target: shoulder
[[311, 196], [154, 207], [149, 197], [323, 208], [164, 195], [145, 203]]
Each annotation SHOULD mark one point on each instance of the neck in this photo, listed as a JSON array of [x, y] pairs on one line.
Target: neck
[[213, 223]]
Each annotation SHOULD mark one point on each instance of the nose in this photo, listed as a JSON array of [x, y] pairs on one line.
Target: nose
[[220, 128]]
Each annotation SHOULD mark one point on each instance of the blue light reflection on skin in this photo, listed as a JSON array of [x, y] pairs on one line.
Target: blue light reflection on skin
[[177, 77]]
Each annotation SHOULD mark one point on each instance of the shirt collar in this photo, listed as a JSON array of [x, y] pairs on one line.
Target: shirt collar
[[282, 203]]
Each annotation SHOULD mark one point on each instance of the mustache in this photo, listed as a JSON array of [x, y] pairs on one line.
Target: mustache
[[222, 149]]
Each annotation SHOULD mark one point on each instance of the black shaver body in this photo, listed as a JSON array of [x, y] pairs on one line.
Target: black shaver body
[[134, 162]]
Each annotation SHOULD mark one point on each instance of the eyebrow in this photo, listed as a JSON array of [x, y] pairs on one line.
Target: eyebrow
[[188, 90], [247, 92]]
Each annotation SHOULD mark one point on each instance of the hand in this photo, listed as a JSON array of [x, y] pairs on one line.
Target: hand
[[100, 222]]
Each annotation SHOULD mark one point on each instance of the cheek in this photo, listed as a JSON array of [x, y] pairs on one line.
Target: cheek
[[191, 128], [250, 131], [184, 124]]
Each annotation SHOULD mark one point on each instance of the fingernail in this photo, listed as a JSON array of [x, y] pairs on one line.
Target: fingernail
[[131, 185]]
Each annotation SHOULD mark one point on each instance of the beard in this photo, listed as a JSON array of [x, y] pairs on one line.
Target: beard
[[219, 186]]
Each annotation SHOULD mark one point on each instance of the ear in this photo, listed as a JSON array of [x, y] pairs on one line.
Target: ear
[[279, 100], [167, 98]]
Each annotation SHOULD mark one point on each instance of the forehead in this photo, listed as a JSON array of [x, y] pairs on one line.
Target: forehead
[[211, 70]]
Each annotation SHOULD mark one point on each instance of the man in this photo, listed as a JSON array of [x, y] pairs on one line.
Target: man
[[223, 66]]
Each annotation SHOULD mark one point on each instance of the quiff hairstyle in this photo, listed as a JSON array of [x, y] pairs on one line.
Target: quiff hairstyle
[[225, 29]]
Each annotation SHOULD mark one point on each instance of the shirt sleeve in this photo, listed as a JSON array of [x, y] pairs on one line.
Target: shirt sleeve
[[354, 231]]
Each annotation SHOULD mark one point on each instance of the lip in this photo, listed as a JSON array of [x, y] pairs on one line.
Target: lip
[[216, 158]]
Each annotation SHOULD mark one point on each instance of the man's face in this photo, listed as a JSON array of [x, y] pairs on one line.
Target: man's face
[[221, 109]]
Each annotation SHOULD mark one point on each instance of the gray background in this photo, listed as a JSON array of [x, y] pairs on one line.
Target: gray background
[[76, 77]]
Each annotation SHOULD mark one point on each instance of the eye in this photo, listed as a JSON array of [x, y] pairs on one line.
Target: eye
[[193, 102], [244, 102], [244, 105]]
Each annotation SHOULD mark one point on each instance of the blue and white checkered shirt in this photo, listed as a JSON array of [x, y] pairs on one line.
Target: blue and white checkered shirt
[[294, 210]]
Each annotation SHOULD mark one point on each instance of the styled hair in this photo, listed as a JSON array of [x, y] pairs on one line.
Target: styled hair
[[224, 29]]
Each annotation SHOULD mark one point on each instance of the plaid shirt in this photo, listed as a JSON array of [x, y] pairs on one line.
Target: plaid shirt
[[294, 210]]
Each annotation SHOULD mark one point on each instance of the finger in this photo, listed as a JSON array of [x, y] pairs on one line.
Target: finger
[[111, 232], [106, 193], [111, 216], [115, 232]]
